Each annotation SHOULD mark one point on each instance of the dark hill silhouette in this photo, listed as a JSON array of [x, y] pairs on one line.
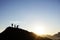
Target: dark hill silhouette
[[11, 33]]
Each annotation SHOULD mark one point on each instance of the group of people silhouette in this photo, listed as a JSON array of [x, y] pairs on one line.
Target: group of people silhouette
[[15, 26]]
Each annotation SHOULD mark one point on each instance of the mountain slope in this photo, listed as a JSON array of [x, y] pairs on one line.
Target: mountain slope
[[11, 33]]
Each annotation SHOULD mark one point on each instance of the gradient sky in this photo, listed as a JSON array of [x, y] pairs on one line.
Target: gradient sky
[[31, 13]]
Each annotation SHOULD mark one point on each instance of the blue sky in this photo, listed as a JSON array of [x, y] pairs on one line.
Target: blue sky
[[28, 13]]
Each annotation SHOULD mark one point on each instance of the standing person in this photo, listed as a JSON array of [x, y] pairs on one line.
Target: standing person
[[11, 25], [17, 26], [14, 26]]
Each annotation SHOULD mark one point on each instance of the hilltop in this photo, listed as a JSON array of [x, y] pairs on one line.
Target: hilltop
[[16, 34], [11, 33]]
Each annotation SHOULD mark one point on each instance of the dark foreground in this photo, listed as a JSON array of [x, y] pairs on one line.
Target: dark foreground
[[11, 33]]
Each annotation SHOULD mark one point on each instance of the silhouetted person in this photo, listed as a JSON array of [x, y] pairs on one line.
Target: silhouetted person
[[12, 25], [17, 26]]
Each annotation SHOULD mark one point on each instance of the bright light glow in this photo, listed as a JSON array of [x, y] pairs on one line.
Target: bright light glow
[[39, 30]]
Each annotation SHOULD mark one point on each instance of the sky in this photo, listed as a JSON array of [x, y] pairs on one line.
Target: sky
[[31, 13]]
